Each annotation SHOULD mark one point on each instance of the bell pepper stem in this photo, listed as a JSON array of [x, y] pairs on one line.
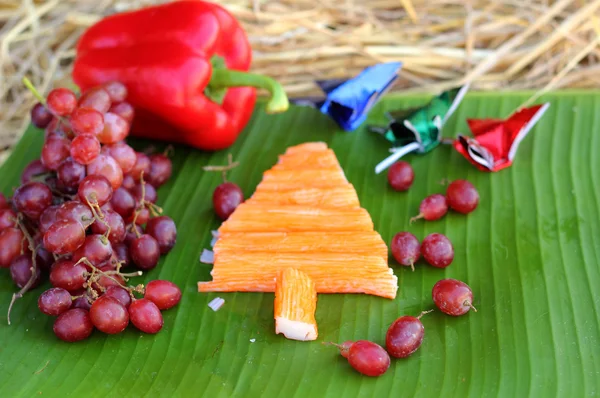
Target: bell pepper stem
[[224, 78]]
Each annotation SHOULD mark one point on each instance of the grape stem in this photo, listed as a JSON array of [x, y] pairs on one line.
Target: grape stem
[[108, 274], [468, 303], [412, 266], [415, 218], [27, 83], [424, 313], [31, 280], [223, 169]]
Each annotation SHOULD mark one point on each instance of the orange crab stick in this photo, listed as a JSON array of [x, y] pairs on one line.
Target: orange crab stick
[[308, 160], [342, 196], [295, 305], [307, 147]]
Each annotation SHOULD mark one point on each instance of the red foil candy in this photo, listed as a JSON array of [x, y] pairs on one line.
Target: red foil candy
[[494, 143]]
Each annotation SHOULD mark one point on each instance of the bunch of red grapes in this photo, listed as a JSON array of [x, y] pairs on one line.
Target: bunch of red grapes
[[86, 210]]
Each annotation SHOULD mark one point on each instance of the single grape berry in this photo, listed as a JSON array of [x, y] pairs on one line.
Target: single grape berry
[[113, 221], [164, 294], [32, 199], [68, 275], [115, 129], [85, 148], [116, 91], [21, 271], [121, 253], [133, 231], [145, 316], [96, 249], [142, 217], [55, 150], [145, 252], [163, 229], [70, 173], [83, 302], [123, 202], [64, 236], [146, 190], [106, 166], [106, 281], [120, 294], [61, 101], [122, 153], [401, 176], [128, 181], [142, 166], [406, 249], [453, 297], [96, 98], [123, 109], [95, 189], [108, 315], [8, 219], [226, 198], [73, 325], [34, 169], [87, 121], [54, 301], [368, 358], [437, 250], [405, 335], [462, 196], [40, 117], [75, 211], [432, 208], [160, 169], [11, 245], [345, 348]]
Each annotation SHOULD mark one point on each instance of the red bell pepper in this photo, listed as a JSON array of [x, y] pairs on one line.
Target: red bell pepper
[[184, 65]]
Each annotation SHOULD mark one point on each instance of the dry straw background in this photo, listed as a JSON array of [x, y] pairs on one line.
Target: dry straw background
[[496, 45]]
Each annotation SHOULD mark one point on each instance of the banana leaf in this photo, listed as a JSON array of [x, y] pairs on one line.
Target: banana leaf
[[530, 252]]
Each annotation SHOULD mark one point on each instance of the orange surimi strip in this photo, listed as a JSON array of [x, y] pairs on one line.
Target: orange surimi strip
[[276, 180], [295, 305], [308, 160], [343, 196], [369, 243], [331, 272], [250, 217], [307, 147]]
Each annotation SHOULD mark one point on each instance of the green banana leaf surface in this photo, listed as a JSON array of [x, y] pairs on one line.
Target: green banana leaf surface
[[530, 252]]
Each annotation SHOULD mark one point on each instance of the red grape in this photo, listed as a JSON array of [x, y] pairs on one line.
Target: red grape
[[48, 217], [368, 358], [115, 129], [34, 168], [120, 294], [226, 198], [83, 302], [85, 148], [3, 202], [143, 215], [95, 189], [131, 234], [58, 128], [11, 245], [401, 176], [406, 249], [54, 301], [145, 316], [61, 101], [116, 91], [145, 252], [55, 150], [7, 219], [453, 297], [160, 170], [123, 109], [432, 208], [64, 236], [106, 281], [32, 199], [107, 167], [96, 98], [123, 154], [405, 336], [123, 202], [164, 294], [121, 252], [68, 275], [462, 196], [21, 271], [108, 315], [44, 258], [96, 249], [70, 173], [128, 182], [147, 190], [115, 223], [345, 348], [75, 211], [437, 250], [142, 165], [73, 325], [40, 117], [87, 121], [163, 229]]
